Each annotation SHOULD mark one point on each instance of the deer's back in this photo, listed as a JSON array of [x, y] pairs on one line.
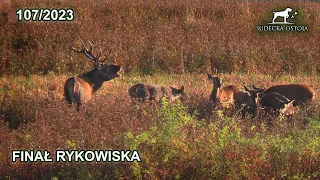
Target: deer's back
[[300, 93], [149, 92], [146, 91], [157, 92], [241, 97], [226, 93], [138, 91]]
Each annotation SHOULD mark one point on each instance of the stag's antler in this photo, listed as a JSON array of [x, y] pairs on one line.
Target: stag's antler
[[89, 53]]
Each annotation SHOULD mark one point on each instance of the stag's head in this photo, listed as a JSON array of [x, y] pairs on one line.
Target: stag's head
[[108, 72], [101, 70]]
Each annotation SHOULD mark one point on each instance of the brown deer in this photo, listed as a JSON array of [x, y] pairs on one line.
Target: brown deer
[[232, 95], [221, 94], [276, 103], [300, 93], [151, 92], [79, 89], [247, 102]]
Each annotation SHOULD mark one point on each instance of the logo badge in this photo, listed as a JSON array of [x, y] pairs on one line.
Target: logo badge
[[281, 22]]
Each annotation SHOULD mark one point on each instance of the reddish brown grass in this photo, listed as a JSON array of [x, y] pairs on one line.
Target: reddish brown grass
[[159, 38], [47, 123], [151, 37]]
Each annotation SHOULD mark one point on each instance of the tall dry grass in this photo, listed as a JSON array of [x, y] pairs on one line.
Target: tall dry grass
[[161, 36]]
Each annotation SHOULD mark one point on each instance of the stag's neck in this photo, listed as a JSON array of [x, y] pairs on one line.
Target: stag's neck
[[94, 79], [213, 96]]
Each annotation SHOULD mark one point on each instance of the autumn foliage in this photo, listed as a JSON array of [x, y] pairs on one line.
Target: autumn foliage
[[171, 43]]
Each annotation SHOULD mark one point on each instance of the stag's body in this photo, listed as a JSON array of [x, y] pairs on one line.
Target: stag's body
[[276, 102], [144, 92], [300, 93], [79, 89]]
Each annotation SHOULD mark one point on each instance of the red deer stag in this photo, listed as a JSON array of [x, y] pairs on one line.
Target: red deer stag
[[144, 92], [300, 93], [79, 89]]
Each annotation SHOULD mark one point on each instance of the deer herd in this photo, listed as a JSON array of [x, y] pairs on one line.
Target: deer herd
[[273, 100]]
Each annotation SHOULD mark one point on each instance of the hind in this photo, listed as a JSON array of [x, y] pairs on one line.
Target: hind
[[140, 92]]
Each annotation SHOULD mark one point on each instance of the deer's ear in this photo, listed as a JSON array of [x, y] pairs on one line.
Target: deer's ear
[[182, 88], [291, 102]]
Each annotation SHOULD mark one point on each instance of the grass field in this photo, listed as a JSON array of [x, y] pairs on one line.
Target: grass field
[[174, 141], [160, 42], [161, 37]]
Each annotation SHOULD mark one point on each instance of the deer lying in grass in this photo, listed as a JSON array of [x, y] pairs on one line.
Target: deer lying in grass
[[300, 93], [277, 103], [79, 89], [144, 92]]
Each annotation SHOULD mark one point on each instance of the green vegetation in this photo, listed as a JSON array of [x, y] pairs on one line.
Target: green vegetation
[[175, 141], [184, 39]]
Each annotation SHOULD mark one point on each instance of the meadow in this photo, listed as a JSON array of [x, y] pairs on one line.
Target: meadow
[[161, 42], [174, 140]]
